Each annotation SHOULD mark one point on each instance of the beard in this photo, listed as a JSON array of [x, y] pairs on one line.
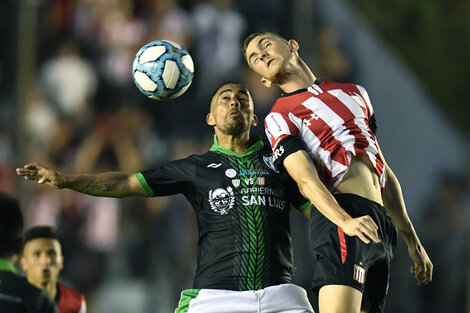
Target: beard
[[235, 128]]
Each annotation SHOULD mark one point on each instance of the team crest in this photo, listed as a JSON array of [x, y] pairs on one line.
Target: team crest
[[236, 182], [268, 160], [221, 200], [359, 274]]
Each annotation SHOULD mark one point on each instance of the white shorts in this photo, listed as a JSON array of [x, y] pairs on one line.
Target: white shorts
[[286, 298]]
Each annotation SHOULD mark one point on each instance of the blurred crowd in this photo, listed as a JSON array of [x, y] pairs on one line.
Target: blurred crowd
[[84, 114]]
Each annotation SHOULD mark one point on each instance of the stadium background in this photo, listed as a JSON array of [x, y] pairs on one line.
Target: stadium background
[[67, 100]]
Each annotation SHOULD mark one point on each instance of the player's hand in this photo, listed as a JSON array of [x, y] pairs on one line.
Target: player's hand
[[423, 267], [363, 227], [41, 174]]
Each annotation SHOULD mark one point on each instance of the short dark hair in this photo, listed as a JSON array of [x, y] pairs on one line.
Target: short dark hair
[[11, 225], [248, 39], [227, 83], [42, 231]]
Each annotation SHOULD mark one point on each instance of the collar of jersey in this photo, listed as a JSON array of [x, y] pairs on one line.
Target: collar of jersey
[[7, 266], [254, 147], [318, 81]]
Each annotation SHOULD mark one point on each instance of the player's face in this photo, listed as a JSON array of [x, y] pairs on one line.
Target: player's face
[[42, 261], [232, 110], [268, 56]]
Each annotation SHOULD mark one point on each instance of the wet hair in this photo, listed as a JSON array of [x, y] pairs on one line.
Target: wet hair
[[248, 39], [227, 83], [11, 225], [40, 232]]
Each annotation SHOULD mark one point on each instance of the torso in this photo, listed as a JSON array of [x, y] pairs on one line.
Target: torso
[[242, 206], [361, 179], [332, 121]]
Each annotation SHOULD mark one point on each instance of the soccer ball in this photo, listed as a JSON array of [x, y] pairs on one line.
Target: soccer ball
[[162, 70]]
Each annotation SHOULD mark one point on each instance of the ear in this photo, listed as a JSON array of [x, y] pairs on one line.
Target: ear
[[210, 119], [254, 122], [266, 82], [293, 45]]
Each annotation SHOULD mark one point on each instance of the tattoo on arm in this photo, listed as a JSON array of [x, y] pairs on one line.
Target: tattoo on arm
[[94, 186]]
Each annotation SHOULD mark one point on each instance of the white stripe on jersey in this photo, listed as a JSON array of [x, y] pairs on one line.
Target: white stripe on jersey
[[359, 120]]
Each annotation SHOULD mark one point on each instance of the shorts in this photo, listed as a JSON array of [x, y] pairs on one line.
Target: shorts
[[339, 259], [287, 298]]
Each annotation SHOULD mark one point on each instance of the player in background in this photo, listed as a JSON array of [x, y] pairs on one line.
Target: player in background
[[42, 262], [244, 258], [16, 294], [322, 133]]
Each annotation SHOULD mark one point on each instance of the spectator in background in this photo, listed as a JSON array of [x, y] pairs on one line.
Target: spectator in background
[[69, 81], [218, 31], [42, 261], [16, 294]]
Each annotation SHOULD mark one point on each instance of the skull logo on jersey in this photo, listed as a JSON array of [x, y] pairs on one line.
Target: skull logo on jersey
[[221, 200]]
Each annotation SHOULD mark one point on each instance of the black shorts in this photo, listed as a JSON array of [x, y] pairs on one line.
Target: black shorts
[[343, 260]]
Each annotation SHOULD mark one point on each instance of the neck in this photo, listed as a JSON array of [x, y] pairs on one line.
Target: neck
[[298, 76], [238, 144]]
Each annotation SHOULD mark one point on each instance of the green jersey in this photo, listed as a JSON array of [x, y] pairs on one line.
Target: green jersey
[[242, 206]]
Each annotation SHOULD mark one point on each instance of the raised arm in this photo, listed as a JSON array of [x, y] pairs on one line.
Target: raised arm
[[302, 170], [111, 184], [395, 205]]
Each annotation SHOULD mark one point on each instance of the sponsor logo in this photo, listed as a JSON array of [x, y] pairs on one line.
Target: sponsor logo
[[221, 200], [253, 171], [359, 274], [214, 165], [278, 152], [307, 122], [230, 173], [236, 182]]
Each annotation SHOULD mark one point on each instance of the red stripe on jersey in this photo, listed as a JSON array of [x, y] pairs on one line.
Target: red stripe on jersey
[[342, 245], [349, 118]]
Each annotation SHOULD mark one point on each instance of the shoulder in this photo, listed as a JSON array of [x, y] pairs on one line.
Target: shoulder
[[69, 292], [70, 300], [17, 289]]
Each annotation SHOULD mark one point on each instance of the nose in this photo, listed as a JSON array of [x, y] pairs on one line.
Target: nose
[[45, 259], [263, 55], [234, 102]]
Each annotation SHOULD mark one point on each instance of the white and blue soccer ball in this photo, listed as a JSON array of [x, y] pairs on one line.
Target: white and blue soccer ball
[[162, 70]]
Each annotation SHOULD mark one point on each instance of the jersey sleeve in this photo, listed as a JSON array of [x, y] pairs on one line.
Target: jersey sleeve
[[169, 179], [283, 136]]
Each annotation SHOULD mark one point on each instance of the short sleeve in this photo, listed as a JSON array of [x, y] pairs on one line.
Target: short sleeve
[[169, 179]]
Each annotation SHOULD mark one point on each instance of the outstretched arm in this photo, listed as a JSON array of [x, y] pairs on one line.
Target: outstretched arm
[[111, 184], [302, 170], [395, 205]]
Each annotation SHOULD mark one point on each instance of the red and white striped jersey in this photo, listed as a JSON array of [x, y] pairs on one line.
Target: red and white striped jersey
[[332, 121]]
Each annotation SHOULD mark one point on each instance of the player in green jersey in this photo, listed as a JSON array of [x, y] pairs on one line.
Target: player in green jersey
[[242, 203]]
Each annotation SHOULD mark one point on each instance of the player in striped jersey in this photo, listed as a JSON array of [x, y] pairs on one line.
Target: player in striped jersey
[[322, 133], [245, 260]]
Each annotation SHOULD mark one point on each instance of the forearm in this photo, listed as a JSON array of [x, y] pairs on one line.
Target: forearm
[[110, 184], [314, 190]]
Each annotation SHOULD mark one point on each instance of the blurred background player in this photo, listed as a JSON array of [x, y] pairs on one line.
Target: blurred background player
[[42, 261], [16, 294], [242, 205], [356, 192]]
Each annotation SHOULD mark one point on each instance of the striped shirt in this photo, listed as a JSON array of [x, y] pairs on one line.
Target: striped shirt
[[332, 121]]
